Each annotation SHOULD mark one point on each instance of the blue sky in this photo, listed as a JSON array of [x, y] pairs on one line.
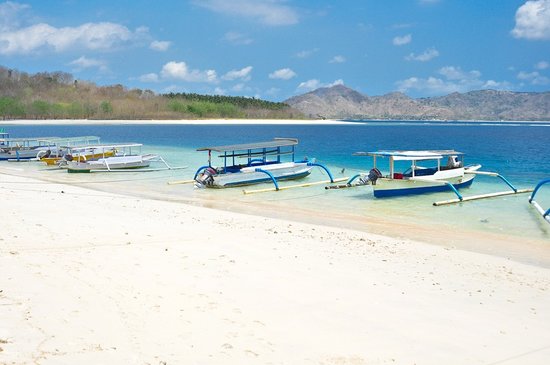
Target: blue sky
[[275, 49]]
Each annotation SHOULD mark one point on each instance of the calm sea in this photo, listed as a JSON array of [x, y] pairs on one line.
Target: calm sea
[[518, 151]]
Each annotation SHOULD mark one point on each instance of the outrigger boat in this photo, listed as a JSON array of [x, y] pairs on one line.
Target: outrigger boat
[[61, 146], [126, 156], [17, 149], [544, 213], [246, 164], [425, 172]]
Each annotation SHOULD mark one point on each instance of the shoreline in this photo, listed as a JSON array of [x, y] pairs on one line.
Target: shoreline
[[89, 276], [249, 122]]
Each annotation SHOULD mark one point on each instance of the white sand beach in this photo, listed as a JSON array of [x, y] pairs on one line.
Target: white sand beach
[[89, 277]]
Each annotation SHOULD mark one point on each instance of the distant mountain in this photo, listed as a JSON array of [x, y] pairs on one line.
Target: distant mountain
[[342, 102]]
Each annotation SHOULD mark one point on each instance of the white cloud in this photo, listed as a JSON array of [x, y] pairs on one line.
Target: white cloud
[[534, 78], [9, 18], [243, 74], [91, 36], [315, 84], [84, 62], [269, 12], [427, 55], [160, 46], [219, 91], [237, 38], [306, 53], [533, 20], [401, 41], [454, 80], [337, 59], [282, 74], [151, 77], [180, 71], [542, 65], [456, 73]]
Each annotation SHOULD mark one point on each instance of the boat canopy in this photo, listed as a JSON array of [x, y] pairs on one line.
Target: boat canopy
[[66, 141], [277, 142], [411, 155], [104, 146]]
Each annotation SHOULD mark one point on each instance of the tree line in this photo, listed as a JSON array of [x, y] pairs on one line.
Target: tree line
[[58, 95]]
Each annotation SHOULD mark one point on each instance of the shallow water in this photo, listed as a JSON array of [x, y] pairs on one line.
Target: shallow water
[[516, 151]]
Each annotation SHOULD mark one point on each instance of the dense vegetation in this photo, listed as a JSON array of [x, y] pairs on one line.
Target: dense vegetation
[[57, 95]]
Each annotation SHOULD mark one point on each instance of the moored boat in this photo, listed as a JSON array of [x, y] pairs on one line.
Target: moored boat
[[126, 156], [424, 172], [252, 163]]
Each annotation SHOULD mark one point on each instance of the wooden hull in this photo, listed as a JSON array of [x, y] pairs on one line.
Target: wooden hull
[[399, 187], [249, 175], [110, 164], [52, 161]]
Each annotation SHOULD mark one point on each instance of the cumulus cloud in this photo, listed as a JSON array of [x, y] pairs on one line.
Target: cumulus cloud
[[91, 36], [453, 79], [268, 12], [401, 41], [237, 38], [282, 74], [84, 62], [160, 46], [533, 20], [179, 71], [426, 56], [534, 78], [337, 59], [243, 74], [151, 77], [315, 84]]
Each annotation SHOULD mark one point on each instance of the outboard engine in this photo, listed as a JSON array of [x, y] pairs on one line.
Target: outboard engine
[[374, 174], [206, 178]]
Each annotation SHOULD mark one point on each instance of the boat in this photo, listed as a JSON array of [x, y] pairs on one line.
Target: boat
[[61, 146], [114, 157], [252, 163], [424, 172], [17, 149]]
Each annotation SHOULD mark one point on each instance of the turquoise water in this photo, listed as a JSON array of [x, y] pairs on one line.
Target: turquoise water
[[520, 152]]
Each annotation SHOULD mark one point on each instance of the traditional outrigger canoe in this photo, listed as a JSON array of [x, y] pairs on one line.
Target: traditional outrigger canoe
[[62, 146], [26, 148], [126, 156], [424, 172], [252, 163]]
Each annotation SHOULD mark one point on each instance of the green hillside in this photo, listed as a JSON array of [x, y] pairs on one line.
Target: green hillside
[[58, 95]]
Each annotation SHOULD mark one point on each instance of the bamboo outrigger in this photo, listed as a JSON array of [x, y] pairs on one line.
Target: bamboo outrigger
[[461, 198], [545, 214]]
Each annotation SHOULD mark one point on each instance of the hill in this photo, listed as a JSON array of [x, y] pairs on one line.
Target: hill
[[58, 95], [342, 102]]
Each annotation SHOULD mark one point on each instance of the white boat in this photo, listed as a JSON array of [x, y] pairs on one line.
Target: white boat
[[61, 146], [17, 149], [127, 156], [252, 163], [423, 172]]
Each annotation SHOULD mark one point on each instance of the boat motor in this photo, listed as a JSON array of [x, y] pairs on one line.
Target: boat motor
[[374, 174], [206, 178]]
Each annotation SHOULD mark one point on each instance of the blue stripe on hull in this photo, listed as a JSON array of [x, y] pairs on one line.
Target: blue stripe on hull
[[267, 179], [419, 190]]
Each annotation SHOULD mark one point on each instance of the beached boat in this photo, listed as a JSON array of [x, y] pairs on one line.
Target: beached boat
[[17, 149], [122, 156], [423, 172], [245, 164], [61, 146]]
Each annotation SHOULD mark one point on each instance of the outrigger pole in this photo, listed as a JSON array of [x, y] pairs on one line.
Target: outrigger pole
[[277, 187], [545, 214], [482, 196]]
